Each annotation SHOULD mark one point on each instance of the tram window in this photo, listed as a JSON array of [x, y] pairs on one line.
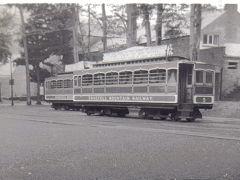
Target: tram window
[[140, 77], [47, 85], [189, 77], [87, 80], [75, 81], [79, 81], [59, 83], [53, 84], [111, 78], [70, 83], [125, 77], [157, 76], [172, 76], [209, 77], [99, 79], [199, 76], [65, 83]]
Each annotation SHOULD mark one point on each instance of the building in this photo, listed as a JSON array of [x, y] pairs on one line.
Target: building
[[221, 28], [19, 87]]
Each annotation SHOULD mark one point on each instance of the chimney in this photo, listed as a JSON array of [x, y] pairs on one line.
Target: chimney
[[231, 8]]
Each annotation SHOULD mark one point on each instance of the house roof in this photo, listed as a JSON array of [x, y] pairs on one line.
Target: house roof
[[232, 49], [138, 52], [209, 16]]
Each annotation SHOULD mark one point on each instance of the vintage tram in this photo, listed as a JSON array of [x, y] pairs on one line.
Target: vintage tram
[[158, 87]]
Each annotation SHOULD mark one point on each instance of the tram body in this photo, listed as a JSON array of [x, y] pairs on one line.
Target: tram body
[[59, 90], [176, 89]]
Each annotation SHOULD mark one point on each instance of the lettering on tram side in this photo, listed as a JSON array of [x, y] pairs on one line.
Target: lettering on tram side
[[121, 98], [126, 98]]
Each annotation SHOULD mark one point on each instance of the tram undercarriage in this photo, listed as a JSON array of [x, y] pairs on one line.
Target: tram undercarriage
[[176, 112]]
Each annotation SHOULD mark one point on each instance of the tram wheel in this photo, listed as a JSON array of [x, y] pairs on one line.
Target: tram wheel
[[66, 107], [88, 113], [192, 119], [174, 117], [142, 114]]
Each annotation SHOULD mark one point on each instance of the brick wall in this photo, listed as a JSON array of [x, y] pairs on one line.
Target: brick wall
[[214, 55], [180, 45], [231, 77]]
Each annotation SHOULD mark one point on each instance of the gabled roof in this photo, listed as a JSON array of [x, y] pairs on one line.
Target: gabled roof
[[209, 16]]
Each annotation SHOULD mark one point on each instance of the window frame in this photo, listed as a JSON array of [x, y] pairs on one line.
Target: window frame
[[130, 81], [140, 78], [214, 38], [99, 80], [111, 80], [232, 66], [157, 79], [87, 82]]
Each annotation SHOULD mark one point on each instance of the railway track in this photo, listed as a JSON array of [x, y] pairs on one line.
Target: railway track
[[210, 128]]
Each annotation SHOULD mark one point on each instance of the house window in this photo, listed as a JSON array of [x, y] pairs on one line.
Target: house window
[[232, 65], [212, 39], [216, 39], [205, 39]]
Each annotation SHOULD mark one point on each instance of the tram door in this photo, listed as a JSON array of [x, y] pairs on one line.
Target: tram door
[[185, 83]]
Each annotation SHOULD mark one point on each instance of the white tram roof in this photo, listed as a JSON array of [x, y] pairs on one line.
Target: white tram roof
[[139, 61], [68, 75], [163, 64]]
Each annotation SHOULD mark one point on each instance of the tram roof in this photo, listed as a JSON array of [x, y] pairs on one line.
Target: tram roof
[[66, 75], [140, 61], [153, 65]]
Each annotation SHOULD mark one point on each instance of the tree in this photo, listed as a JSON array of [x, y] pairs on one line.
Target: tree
[[49, 32], [104, 20], [146, 10], [159, 20], [131, 24], [195, 31], [173, 18], [6, 24]]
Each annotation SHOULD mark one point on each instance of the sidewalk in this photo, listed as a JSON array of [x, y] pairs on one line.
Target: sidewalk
[[22, 103], [224, 109]]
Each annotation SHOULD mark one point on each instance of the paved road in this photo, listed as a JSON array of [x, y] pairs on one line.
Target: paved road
[[40, 143]]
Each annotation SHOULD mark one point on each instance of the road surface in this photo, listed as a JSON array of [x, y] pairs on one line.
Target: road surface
[[40, 143]]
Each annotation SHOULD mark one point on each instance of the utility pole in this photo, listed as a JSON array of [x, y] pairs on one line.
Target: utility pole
[[0, 92], [104, 19], [195, 31], [131, 24], [89, 30], [75, 39], [11, 82], [26, 56]]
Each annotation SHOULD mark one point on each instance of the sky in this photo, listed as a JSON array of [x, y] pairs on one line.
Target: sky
[[215, 2]]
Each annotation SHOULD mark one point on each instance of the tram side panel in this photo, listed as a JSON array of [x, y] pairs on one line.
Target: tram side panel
[[148, 88], [59, 91]]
